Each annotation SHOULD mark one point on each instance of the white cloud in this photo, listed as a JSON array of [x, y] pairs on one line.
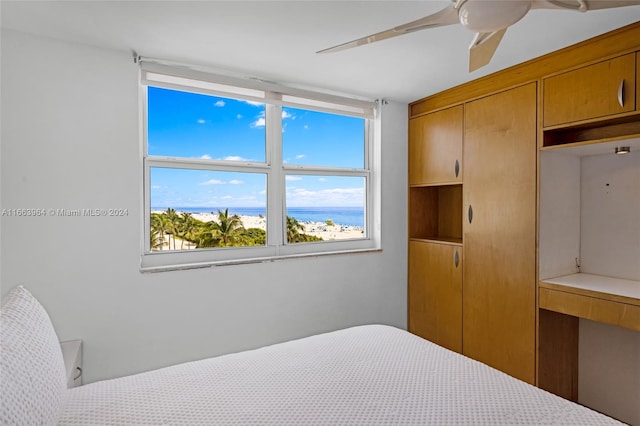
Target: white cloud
[[300, 156], [306, 127], [239, 116], [329, 197], [322, 179], [219, 103], [205, 157], [260, 122], [213, 182], [254, 103], [292, 178], [201, 121], [233, 158], [235, 182], [286, 114]]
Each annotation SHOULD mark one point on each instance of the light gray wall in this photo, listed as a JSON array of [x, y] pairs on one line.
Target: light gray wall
[[609, 375], [70, 140], [590, 208]]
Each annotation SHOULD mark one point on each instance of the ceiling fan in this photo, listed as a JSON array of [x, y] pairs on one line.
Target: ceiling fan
[[489, 19]]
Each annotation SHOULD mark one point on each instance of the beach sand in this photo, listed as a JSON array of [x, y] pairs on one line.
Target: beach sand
[[318, 229]]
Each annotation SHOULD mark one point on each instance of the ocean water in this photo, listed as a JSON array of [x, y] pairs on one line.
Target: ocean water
[[350, 216]]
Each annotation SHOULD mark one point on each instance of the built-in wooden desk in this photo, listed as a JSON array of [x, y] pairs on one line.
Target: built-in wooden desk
[[604, 299], [563, 301]]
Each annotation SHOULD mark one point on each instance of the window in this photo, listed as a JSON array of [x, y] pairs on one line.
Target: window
[[241, 170]]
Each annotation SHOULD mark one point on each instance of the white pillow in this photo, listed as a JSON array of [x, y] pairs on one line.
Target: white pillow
[[34, 387]]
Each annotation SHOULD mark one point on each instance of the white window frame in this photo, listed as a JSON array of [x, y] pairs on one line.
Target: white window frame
[[275, 97]]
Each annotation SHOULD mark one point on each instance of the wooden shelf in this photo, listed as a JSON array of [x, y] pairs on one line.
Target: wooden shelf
[[435, 212], [627, 126], [436, 240], [604, 299]]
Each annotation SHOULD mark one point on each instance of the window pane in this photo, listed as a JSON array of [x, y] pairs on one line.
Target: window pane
[[322, 139], [325, 208], [193, 209], [193, 125]]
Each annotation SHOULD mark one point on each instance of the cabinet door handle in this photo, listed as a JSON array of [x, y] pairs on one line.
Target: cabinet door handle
[[621, 93], [456, 259], [470, 213], [457, 168]]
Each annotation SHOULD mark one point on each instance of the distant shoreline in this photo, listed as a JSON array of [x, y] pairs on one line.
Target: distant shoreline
[[316, 228], [347, 216]]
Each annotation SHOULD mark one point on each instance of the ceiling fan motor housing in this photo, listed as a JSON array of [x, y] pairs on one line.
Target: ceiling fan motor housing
[[483, 16]]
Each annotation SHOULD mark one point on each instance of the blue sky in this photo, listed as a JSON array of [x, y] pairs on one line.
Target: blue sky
[[192, 125]]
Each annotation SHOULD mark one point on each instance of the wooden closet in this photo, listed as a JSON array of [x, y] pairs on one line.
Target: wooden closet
[[500, 231], [435, 227], [473, 280], [480, 304]]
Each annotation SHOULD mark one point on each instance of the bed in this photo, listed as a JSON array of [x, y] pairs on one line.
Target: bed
[[365, 375]]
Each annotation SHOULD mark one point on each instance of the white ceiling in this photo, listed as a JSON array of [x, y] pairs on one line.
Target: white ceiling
[[277, 40]]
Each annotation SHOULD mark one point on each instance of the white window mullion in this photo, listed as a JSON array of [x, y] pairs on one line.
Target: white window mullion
[[145, 223], [374, 189], [147, 208], [197, 164], [275, 179], [326, 171]]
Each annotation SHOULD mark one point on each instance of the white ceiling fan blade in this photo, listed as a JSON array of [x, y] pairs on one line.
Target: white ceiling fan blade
[[446, 16], [582, 5], [483, 47], [608, 4]]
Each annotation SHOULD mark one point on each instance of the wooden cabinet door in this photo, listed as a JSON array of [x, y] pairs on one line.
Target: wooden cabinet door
[[435, 293], [499, 306], [594, 91], [435, 147], [638, 81]]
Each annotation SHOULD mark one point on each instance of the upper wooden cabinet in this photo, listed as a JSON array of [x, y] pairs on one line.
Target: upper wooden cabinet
[[600, 90], [435, 147]]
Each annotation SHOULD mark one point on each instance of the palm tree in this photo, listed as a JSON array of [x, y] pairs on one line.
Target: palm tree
[[294, 229], [187, 225], [230, 228], [174, 224], [207, 235], [254, 237], [158, 229]]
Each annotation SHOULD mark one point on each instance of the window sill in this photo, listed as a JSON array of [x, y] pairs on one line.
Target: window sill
[[266, 259]]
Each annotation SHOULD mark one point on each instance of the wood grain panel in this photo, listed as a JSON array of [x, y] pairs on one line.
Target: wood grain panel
[[423, 212], [450, 211], [558, 354], [592, 308], [435, 293], [435, 144], [500, 244], [590, 92], [435, 212], [627, 127]]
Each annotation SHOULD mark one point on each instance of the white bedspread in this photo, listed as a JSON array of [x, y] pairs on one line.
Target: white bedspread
[[367, 375]]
